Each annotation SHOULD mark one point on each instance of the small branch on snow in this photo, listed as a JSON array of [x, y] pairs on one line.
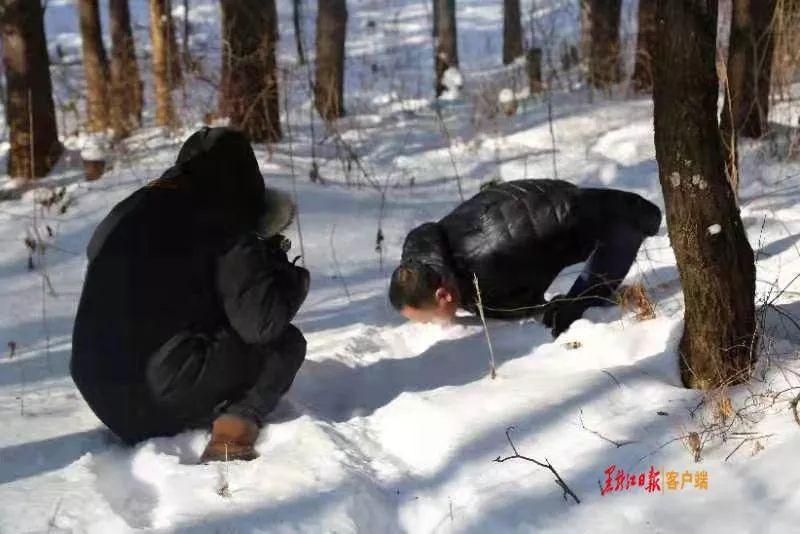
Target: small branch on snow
[[546, 464], [479, 304], [616, 443]]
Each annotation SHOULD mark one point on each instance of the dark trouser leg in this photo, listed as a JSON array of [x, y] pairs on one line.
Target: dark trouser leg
[[280, 361], [607, 266], [193, 374]]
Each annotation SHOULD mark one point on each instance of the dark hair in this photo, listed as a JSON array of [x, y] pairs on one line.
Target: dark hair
[[414, 285]]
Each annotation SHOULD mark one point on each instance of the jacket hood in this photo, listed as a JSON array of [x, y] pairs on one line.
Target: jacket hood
[[218, 168]]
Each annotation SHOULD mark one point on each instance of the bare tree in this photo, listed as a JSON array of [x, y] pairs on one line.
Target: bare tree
[[126, 84], [30, 113], [329, 82], [749, 71], [586, 31], [445, 42], [604, 62], [714, 258], [95, 65], [297, 21], [512, 31], [645, 42], [249, 93], [162, 69]]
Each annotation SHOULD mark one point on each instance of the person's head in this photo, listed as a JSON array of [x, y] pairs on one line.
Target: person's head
[[218, 168], [423, 295]]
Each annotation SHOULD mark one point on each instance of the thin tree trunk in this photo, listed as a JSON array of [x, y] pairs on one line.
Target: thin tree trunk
[[446, 42], [749, 70], [297, 20], [329, 82], [512, 31], [604, 66], [30, 113], [176, 71], [186, 52], [162, 71], [714, 258], [645, 43], [249, 94], [126, 84], [586, 32], [95, 65]]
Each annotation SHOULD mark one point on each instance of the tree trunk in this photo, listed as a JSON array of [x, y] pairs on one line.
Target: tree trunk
[[714, 258], [534, 67], [186, 53], [95, 65], [512, 31], [749, 69], [446, 42], [329, 83], [645, 43], [786, 61], [126, 84], [30, 113], [604, 68], [249, 93], [586, 32], [297, 20], [162, 71]]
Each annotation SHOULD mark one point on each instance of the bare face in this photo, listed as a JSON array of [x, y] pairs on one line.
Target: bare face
[[442, 311]]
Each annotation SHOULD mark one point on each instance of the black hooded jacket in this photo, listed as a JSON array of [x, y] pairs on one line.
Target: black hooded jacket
[[517, 236], [180, 255]]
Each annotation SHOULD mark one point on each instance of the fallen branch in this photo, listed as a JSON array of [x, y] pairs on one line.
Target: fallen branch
[[479, 304], [616, 443], [793, 404], [546, 464]]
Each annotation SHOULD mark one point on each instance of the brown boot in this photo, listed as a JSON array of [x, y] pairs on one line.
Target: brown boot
[[232, 438]]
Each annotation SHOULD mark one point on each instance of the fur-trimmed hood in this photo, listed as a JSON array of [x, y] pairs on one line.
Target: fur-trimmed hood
[[218, 168], [278, 215]]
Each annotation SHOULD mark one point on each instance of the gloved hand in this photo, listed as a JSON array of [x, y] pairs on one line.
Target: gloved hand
[[561, 312], [277, 246], [292, 276]]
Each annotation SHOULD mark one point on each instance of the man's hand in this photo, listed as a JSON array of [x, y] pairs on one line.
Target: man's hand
[[561, 312]]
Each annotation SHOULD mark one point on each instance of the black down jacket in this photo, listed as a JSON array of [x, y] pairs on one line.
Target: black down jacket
[[517, 236], [178, 255]]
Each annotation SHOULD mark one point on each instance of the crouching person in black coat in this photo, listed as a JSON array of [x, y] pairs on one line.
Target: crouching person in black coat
[[184, 319], [516, 237]]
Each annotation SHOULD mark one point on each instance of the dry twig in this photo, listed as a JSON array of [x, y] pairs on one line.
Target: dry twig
[[546, 464]]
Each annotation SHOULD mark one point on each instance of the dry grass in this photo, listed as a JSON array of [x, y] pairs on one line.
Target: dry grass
[[635, 298]]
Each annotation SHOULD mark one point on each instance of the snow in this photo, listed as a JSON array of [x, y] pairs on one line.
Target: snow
[[506, 96], [714, 229], [391, 426], [453, 81]]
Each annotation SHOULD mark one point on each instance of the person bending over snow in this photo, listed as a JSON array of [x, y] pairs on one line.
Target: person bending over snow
[[184, 319], [516, 237]]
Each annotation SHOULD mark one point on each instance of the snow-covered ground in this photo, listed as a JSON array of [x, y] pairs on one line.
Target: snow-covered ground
[[390, 426]]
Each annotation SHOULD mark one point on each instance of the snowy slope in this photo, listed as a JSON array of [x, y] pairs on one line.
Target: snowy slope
[[393, 427]]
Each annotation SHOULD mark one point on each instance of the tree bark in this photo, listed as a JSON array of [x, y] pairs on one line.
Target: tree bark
[[126, 84], [95, 65], [249, 93], [749, 69], [715, 260], [645, 43], [329, 82], [585, 44], [604, 67], [512, 31], [297, 19], [162, 70], [30, 113], [446, 41]]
